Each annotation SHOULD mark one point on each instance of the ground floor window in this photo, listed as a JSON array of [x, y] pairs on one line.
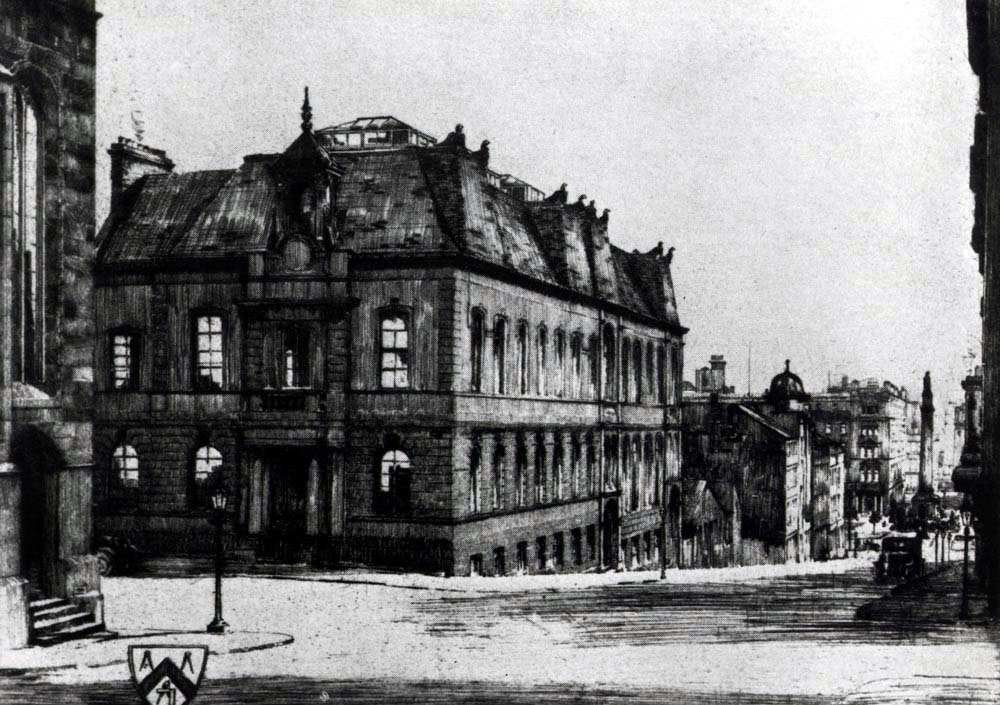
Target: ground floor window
[[522, 557], [591, 542], [540, 552], [559, 549], [500, 561], [576, 545]]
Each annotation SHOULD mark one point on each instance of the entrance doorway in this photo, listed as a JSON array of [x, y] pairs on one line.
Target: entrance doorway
[[39, 460], [287, 480], [610, 531]]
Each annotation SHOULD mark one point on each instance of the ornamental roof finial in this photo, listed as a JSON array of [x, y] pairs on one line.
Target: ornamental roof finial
[[307, 113]]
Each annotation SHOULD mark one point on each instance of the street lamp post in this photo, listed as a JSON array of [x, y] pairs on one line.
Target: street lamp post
[[219, 498], [966, 522]]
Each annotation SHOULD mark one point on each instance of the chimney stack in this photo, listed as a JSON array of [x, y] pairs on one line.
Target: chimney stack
[[130, 161]]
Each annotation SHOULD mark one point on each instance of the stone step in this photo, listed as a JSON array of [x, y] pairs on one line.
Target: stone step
[[60, 622], [56, 610], [46, 603], [76, 631]]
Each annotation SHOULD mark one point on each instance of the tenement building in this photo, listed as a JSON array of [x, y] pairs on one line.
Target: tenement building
[[874, 424], [49, 585], [388, 353], [755, 454]]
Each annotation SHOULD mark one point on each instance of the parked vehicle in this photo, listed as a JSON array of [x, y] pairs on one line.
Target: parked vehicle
[[900, 557]]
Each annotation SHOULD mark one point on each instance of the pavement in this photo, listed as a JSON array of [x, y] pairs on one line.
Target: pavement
[[111, 649], [791, 634]]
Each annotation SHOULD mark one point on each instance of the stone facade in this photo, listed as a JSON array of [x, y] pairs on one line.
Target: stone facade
[[47, 61], [418, 363]]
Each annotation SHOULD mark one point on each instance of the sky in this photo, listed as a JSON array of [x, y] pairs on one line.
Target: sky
[[808, 160]]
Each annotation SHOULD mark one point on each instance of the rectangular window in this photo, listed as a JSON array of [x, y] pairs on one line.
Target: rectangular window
[[395, 357], [499, 479], [209, 353], [474, 470], [559, 549], [540, 479], [560, 363], [540, 553], [591, 542], [522, 358], [476, 350], [295, 353], [557, 471], [522, 557], [124, 360]]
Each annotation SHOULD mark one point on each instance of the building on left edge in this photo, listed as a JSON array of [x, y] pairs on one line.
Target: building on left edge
[[49, 583]]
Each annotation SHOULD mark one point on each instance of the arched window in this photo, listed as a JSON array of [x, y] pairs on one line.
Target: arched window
[[626, 379], [637, 370], [541, 360], [395, 352], [392, 492], [591, 483], [651, 472], [475, 468], [522, 357], [576, 364], [206, 461], [675, 376], [476, 349], [574, 466], [540, 475], [521, 470], [659, 374], [651, 373], [637, 472], [27, 313], [500, 356], [560, 348], [125, 464], [499, 476], [557, 469], [608, 342], [594, 360]]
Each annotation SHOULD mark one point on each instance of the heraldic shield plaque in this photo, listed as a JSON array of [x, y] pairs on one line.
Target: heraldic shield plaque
[[167, 674]]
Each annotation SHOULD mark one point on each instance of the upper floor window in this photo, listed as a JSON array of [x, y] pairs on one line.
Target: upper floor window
[[295, 358], [392, 492], [557, 469], [522, 357], [27, 312], [500, 356], [125, 463], [521, 471], [675, 376], [594, 360], [626, 379], [576, 364], [499, 476], [659, 374], [651, 373], [475, 463], [541, 359], [395, 355], [208, 352], [609, 361], [476, 349], [124, 360], [560, 346], [541, 479], [637, 369]]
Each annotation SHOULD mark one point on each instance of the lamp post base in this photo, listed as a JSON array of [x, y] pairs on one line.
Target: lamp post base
[[217, 626]]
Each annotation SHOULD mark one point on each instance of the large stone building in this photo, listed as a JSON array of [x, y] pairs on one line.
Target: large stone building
[[48, 582], [877, 425], [390, 354], [979, 475]]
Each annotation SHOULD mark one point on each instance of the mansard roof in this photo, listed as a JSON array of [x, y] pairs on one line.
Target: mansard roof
[[404, 202]]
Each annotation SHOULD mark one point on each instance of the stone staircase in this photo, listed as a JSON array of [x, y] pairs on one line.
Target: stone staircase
[[55, 620]]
